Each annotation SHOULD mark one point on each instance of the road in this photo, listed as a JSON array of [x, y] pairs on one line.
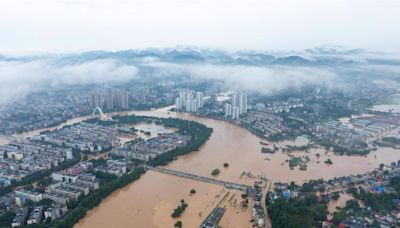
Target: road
[[226, 184]]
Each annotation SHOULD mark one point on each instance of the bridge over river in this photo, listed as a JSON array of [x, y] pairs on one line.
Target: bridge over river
[[226, 184]]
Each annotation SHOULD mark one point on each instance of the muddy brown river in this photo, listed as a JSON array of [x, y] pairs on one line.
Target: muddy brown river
[[150, 201]]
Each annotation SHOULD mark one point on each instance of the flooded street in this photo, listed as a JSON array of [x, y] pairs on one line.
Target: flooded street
[[150, 201], [334, 205]]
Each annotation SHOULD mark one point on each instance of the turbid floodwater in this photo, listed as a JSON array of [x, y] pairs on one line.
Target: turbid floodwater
[[150, 201]]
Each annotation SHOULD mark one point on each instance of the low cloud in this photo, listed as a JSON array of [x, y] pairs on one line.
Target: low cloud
[[266, 80], [20, 78]]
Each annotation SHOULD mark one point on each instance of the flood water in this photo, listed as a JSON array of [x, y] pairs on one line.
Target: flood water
[[153, 130], [394, 108], [150, 201]]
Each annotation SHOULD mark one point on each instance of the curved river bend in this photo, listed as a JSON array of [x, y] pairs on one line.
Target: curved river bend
[[149, 201]]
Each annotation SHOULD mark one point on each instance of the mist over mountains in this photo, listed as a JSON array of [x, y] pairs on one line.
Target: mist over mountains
[[260, 71]]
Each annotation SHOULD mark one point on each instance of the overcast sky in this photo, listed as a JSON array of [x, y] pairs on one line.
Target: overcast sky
[[81, 25]]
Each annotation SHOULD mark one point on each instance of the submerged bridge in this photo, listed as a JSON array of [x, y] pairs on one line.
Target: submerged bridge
[[226, 184]]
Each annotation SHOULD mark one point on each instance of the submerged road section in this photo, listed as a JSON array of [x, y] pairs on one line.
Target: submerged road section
[[226, 184]]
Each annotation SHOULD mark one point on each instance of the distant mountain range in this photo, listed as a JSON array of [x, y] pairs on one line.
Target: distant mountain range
[[324, 56]]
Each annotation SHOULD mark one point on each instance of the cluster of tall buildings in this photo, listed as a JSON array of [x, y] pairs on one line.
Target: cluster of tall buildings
[[189, 101], [238, 105], [110, 100]]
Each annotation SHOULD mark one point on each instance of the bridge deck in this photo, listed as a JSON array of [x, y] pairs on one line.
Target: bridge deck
[[226, 184]]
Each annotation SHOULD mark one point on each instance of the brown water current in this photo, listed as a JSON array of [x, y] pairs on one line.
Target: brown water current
[[150, 201]]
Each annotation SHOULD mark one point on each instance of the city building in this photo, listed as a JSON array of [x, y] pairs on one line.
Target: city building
[[122, 100], [110, 100], [238, 105], [22, 195], [200, 99], [110, 97], [96, 100], [61, 199], [235, 112], [20, 217], [36, 215], [228, 110], [186, 101], [53, 212]]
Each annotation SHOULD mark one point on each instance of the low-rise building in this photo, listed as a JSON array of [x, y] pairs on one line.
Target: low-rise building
[[22, 195], [20, 217], [36, 215], [58, 198]]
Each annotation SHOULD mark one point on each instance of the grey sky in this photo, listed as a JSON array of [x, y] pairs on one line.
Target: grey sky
[[77, 25]]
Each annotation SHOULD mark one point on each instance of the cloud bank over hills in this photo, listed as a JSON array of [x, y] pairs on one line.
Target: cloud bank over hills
[[19, 78], [264, 72]]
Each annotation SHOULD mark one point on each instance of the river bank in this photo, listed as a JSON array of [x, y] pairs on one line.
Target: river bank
[[149, 201]]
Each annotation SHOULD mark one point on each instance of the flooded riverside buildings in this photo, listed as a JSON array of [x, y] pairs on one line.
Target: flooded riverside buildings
[[150, 149], [20, 159], [64, 188], [83, 137], [257, 212], [264, 122], [116, 167], [37, 214], [358, 131]]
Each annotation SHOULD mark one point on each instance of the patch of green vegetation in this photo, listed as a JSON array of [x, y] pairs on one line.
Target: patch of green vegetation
[[342, 150], [7, 218], [295, 161], [392, 140], [215, 172], [335, 195], [298, 148], [382, 202], [180, 209], [267, 150], [328, 161], [178, 224], [297, 214]]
